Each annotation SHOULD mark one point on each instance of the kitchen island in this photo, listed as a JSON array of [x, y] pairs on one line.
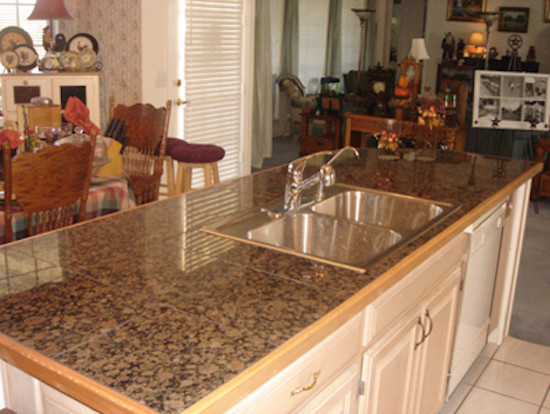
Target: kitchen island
[[141, 311]]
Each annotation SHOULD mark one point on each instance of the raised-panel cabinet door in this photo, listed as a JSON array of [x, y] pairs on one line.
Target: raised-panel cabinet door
[[435, 357], [339, 397], [20, 90], [387, 370]]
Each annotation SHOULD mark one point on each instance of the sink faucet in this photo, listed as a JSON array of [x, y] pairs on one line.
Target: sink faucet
[[295, 182]]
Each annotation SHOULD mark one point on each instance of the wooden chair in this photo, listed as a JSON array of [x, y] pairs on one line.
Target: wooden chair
[[48, 185], [144, 154]]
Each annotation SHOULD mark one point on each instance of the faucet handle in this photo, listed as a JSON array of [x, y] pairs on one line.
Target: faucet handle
[[328, 175]]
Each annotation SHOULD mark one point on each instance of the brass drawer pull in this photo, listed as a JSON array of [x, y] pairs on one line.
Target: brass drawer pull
[[309, 387]]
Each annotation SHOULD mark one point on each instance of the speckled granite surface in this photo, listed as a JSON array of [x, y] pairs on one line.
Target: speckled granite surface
[[147, 304]]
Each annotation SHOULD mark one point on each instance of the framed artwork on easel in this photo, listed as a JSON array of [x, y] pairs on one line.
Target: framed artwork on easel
[[511, 100]]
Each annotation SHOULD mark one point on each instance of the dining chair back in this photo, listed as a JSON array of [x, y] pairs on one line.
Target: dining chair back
[[50, 186], [144, 153]]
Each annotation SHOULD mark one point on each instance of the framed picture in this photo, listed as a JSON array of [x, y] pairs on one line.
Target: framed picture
[[547, 12], [513, 19], [511, 100], [465, 10]]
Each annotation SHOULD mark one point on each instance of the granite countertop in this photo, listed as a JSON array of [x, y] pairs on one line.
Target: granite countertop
[[145, 303]]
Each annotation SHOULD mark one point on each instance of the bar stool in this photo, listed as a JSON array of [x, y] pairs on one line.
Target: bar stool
[[189, 156]]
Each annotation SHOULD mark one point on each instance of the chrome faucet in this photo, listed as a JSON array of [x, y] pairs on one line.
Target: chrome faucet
[[296, 184]]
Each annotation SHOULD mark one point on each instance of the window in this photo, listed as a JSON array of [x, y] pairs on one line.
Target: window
[[15, 13]]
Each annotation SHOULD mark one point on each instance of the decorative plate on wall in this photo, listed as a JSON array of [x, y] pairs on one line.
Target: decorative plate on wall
[[81, 41], [69, 60], [28, 58], [86, 58], [9, 59], [13, 36]]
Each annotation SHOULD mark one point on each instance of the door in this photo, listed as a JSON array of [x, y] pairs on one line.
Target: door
[[387, 369], [209, 77], [439, 320]]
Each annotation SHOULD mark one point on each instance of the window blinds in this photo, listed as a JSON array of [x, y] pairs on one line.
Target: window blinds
[[15, 13], [213, 67]]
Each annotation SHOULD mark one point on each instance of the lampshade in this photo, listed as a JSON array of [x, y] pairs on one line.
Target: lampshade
[[49, 10], [418, 49], [476, 39], [363, 14], [489, 18]]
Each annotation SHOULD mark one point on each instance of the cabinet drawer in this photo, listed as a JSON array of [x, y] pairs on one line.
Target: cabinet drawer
[[326, 360], [319, 143], [410, 290]]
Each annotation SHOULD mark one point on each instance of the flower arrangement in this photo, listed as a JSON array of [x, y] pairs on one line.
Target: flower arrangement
[[11, 136], [429, 117], [388, 145]]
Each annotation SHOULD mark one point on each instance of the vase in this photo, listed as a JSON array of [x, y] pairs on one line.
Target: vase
[[426, 145]]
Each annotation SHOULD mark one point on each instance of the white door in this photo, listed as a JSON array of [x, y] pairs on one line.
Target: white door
[[203, 56]]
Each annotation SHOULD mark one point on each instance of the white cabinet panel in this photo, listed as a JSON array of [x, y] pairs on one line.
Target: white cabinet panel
[[19, 88]]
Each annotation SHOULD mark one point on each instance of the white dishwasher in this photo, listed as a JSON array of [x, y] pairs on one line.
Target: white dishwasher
[[477, 294]]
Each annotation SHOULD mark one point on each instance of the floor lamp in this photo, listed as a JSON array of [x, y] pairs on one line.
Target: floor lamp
[[363, 15], [489, 18]]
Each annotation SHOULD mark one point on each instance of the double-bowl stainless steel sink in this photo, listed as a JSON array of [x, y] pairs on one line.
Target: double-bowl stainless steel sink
[[351, 227]]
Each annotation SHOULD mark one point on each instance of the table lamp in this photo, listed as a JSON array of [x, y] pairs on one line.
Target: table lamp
[[49, 10], [476, 44], [418, 50]]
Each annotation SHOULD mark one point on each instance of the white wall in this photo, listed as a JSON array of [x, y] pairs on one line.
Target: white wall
[[437, 25]]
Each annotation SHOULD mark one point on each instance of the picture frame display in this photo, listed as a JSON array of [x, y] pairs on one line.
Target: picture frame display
[[513, 19], [511, 100], [465, 10]]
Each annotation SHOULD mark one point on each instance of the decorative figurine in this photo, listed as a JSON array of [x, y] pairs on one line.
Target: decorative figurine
[[531, 54], [448, 46], [460, 49]]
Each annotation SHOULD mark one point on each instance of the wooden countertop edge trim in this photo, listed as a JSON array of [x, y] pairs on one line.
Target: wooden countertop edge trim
[[233, 391], [67, 381]]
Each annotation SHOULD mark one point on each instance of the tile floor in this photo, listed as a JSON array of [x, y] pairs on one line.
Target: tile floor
[[514, 378]]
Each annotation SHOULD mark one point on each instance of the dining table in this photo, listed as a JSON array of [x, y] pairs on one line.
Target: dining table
[[106, 195]]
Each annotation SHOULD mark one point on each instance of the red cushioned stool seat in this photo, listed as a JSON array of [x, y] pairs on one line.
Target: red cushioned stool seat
[[189, 156]]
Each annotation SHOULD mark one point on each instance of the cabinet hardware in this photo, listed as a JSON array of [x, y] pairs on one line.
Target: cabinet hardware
[[309, 387], [361, 387], [417, 344], [180, 102], [179, 82], [431, 323]]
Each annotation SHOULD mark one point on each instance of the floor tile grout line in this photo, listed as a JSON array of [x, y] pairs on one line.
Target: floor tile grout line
[[546, 395], [523, 367], [472, 386], [506, 395]]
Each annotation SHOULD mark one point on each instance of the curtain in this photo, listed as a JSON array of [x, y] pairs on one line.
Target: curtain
[[289, 46], [333, 54], [262, 121]]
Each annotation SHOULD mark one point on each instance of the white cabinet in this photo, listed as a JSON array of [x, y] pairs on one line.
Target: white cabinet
[[326, 376], [19, 88], [405, 371], [25, 394], [339, 397]]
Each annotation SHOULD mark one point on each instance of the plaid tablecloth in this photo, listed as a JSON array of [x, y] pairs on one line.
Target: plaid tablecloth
[[106, 195]]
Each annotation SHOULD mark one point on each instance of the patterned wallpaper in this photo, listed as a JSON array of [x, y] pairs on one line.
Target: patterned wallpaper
[[117, 27]]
